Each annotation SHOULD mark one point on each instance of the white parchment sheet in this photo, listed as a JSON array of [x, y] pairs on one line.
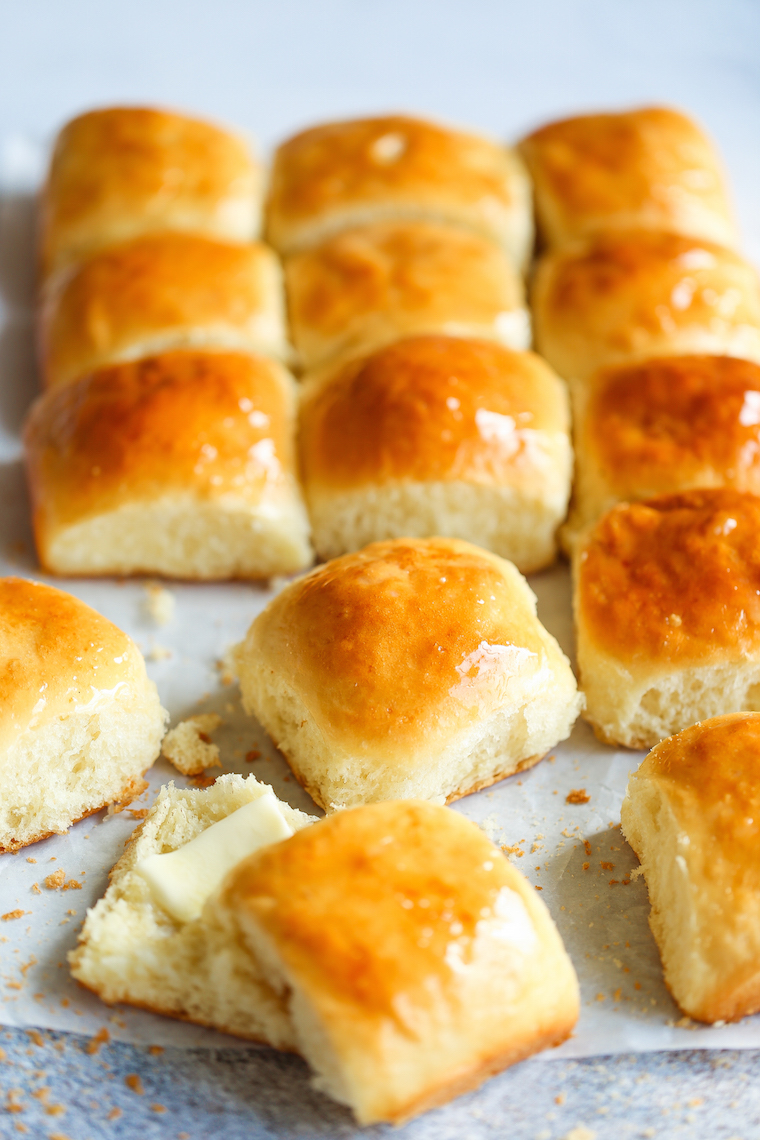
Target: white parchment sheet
[[573, 852]]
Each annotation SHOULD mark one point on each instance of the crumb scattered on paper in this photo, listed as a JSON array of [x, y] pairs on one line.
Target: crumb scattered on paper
[[577, 796], [188, 746], [227, 666], [159, 603], [158, 653], [134, 1083], [10, 915]]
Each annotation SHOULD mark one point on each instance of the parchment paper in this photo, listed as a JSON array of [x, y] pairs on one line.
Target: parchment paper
[[600, 911]]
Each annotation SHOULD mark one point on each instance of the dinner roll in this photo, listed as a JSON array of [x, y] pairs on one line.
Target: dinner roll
[[652, 168], [416, 668], [667, 609], [161, 292], [80, 720], [133, 950], [344, 174], [123, 171], [662, 426], [415, 960], [634, 294], [371, 285], [692, 815], [179, 464], [438, 435]]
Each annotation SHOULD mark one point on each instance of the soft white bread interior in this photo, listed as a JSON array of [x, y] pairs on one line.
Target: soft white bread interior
[[414, 960], [81, 722], [667, 613], [652, 168], [181, 464], [132, 950], [119, 172], [692, 815], [349, 173], [415, 668], [369, 285], [438, 435]]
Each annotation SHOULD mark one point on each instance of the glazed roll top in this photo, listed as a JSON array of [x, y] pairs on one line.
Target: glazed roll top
[[344, 174], [651, 168], [417, 959], [668, 613], [368, 286], [159, 292], [438, 435], [692, 815], [628, 295], [662, 426], [181, 464], [79, 719], [412, 668], [124, 171]]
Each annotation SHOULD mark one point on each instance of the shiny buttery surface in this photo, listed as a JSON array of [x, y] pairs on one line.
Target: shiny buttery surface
[[157, 284], [431, 408], [679, 421], [57, 656], [404, 641], [710, 775], [214, 424], [675, 579], [379, 281], [380, 909], [395, 164], [652, 167], [122, 171], [634, 293]]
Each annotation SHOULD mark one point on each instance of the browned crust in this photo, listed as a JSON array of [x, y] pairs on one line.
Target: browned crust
[[474, 1077], [134, 788]]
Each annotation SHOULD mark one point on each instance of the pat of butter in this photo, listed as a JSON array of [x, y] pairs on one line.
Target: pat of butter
[[182, 880]]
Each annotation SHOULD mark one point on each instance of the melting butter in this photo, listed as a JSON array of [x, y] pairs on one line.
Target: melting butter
[[182, 880]]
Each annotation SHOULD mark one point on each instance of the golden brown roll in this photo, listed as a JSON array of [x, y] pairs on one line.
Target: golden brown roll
[[80, 720], [634, 294], [438, 435], [344, 174], [161, 292], [667, 610], [180, 464], [415, 960], [416, 668], [371, 285], [666, 425], [124, 171], [652, 168], [692, 815]]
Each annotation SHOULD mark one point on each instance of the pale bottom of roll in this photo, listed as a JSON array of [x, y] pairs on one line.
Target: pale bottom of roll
[[182, 537], [514, 524]]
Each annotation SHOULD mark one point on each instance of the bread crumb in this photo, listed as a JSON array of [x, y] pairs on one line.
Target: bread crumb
[[102, 1037], [11, 914], [587, 846], [560, 1099], [512, 850], [36, 1037], [56, 880], [607, 866], [134, 1083], [158, 653], [586, 866], [36, 889], [600, 997], [254, 754], [138, 813], [188, 747], [158, 1108], [577, 796], [227, 666], [156, 1050], [114, 1114], [159, 603], [30, 860]]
